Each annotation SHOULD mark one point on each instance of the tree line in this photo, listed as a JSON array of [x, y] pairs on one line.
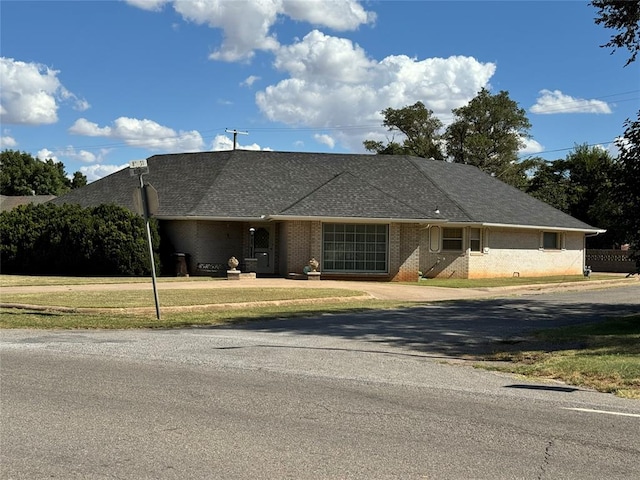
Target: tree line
[[22, 174]]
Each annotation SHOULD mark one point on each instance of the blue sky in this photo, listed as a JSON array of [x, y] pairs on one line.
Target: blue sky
[[96, 84]]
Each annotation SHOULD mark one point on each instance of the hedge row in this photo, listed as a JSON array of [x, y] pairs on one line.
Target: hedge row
[[48, 239]]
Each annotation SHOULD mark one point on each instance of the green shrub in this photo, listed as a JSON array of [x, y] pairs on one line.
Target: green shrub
[[48, 239]]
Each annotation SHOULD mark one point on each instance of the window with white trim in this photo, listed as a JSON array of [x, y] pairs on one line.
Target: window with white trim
[[475, 239], [452, 239], [355, 247], [551, 241]]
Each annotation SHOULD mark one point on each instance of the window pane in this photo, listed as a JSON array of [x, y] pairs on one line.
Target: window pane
[[550, 240], [474, 239], [452, 239], [455, 245], [346, 250]]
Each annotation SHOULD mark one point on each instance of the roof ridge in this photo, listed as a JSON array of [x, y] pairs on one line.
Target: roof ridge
[[362, 181], [219, 178], [424, 174], [312, 191]]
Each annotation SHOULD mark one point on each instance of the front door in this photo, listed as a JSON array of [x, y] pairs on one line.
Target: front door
[[263, 249]]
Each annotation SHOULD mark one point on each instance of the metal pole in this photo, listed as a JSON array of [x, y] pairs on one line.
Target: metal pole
[[145, 208]]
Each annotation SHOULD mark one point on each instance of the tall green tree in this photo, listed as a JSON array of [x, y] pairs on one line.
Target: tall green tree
[[624, 17], [628, 188], [420, 129], [488, 132], [583, 185], [22, 174]]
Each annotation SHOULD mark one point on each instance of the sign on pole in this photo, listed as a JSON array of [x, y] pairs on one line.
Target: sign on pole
[[145, 203]]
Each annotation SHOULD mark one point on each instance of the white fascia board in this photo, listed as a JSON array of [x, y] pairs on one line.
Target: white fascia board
[[541, 227], [266, 218], [358, 219]]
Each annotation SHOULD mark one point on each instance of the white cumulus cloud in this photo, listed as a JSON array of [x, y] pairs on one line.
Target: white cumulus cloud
[[336, 14], [325, 139], [31, 93], [554, 102], [333, 83], [46, 154], [249, 81], [531, 146], [247, 25], [7, 141], [142, 133], [222, 143], [96, 172], [150, 5]]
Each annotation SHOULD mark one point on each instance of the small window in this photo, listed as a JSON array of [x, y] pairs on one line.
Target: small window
[[452, 239], [551, 241], [475, 245]]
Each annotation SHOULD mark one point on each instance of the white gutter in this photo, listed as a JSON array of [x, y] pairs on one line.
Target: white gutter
[[432, 221], [542, 227], [263, 218], [269, 218], [358, 219]]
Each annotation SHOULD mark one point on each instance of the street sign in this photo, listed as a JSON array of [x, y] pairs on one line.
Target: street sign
[[138, 167], [153, 202]]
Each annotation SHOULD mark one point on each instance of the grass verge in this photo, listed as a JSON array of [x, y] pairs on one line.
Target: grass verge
[[37, 280], [604, 356], [21, 318], [173, 298]]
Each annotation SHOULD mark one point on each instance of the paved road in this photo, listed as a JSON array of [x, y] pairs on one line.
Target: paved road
[[336, 396]]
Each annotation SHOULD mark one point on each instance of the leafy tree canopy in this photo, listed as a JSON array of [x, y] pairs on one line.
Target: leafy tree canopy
[[488, 133], [583, 185], [628, 188], [419, 127], [22, 174], [623, 16]]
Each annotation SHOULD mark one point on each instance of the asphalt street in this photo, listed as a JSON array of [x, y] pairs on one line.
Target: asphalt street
[[372, 395]]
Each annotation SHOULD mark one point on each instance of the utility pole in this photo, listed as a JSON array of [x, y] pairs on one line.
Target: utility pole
[[235, 135]]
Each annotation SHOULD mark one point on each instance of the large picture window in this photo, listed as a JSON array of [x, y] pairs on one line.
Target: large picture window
[[355, 248]]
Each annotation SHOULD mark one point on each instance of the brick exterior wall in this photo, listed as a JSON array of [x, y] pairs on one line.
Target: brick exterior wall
[[510, 251], [207, 242], [406, 242], [519, 253], [298, 244]]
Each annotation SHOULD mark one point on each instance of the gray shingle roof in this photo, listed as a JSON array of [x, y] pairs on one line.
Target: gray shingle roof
[[9, 202], [248, 184]]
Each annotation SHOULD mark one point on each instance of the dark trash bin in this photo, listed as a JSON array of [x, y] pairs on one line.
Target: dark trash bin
[[181, 265]]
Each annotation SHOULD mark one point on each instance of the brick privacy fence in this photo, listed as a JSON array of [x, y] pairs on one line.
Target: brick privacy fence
[[618, 261]]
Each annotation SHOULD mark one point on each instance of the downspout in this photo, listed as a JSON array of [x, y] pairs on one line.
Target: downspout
[[586, 270]]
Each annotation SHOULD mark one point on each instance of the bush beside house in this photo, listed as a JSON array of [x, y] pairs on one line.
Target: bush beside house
[[71, 240]]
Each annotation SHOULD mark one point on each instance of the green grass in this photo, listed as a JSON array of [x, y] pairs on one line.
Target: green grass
[[36, 280], [172, 298], [508, 281], [20, 318], [604, 356]]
